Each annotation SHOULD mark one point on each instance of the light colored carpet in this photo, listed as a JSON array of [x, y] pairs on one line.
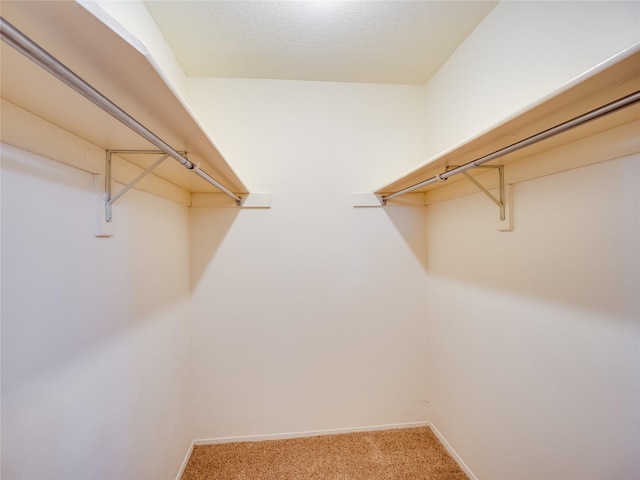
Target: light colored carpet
[[403, 454]]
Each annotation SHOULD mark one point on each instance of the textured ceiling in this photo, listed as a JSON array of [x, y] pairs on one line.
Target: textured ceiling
[[403, 42]]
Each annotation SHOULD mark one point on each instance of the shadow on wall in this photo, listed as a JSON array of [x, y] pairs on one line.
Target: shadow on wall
[[208, 229], [575, 239], [404, 219]]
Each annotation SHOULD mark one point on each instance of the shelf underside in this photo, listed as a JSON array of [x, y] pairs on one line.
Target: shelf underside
[[120, 70], [618, 79]]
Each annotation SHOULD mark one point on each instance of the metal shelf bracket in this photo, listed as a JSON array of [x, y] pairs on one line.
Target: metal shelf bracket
[[109, 197], [501, 201]]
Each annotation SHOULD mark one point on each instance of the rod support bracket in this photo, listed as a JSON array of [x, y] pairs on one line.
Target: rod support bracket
[[111, 198], [501, 201]]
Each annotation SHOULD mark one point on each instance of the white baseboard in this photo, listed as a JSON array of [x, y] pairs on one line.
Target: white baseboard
[[185, 461], [453, 453], [315, 433]]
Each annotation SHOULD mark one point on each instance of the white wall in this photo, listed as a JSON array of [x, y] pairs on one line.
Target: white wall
[[520, 53], [308, 316], [314, 315], [95, 344], [534, 334]]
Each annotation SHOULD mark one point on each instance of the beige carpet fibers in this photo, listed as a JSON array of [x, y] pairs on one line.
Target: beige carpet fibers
[[404, 454]]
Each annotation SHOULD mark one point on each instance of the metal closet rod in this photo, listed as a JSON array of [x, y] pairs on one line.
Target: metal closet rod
[[538, 137], [18, 40]]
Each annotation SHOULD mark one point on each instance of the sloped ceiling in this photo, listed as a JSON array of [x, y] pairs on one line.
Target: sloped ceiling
[[399, 42]]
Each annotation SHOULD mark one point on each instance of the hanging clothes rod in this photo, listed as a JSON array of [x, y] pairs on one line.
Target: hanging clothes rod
[[538, 137], [18, 40]]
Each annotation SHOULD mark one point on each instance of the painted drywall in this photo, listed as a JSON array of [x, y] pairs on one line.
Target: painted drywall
[[534, 334], [314, 315], [322, 41], [308, 316], [520, 53], [95, 345]]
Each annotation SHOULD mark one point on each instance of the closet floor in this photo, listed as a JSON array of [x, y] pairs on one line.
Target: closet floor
[[403, 454]]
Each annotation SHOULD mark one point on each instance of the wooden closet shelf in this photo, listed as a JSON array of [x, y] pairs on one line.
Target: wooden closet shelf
[[613, 79], [120, 68]]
